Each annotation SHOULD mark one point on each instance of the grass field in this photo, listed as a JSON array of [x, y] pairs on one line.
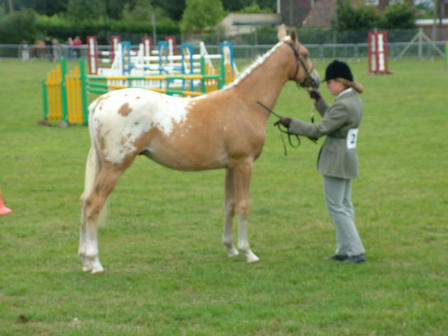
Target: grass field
[[166, 271]]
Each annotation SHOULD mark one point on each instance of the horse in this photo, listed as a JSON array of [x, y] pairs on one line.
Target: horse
[[38, 49], [222, 129]]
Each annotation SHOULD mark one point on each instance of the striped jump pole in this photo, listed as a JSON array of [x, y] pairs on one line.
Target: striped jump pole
[[98, 84]]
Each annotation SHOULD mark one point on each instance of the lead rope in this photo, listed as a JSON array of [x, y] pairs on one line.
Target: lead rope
[[282, 131], [313, 112]]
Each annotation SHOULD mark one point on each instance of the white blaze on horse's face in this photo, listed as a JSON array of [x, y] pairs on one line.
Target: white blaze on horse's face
[[121, 117]]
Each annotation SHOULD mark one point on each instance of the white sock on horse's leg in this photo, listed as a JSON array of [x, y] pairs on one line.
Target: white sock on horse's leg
[[243, 242], [227, 237], [91, 261], [88, 245], [228, 243]]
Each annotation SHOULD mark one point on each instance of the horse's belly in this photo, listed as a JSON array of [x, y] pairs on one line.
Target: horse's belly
[[182, 154]]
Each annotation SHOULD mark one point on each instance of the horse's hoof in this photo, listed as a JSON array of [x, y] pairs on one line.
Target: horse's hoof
[[87, 265], [252, 258], [98, 271], [233, 253], [97, 268]]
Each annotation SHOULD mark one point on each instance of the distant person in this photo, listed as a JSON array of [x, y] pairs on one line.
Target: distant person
[[25, 51], [56, 49], [49, 48], [338, 159], [70, 48], [77, 43]]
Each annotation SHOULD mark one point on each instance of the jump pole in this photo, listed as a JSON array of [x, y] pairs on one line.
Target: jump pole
[[378, 52], [64, 120], [83, 79]]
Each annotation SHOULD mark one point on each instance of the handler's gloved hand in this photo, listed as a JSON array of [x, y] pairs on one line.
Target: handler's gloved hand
[[284, 121], [315, 94]]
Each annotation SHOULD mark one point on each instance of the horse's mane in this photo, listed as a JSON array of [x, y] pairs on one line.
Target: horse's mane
[[260, 60]]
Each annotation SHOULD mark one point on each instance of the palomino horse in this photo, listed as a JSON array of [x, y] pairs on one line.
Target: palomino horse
[[223, 129]]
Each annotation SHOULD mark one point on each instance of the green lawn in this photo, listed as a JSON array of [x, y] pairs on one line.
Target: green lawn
[[166, 271]]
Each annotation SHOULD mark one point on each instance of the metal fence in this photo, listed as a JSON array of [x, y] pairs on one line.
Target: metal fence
[[397, 50]]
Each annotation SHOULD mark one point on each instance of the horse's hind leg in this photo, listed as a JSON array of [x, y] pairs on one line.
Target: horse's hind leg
[[227, 237], [105, 182]]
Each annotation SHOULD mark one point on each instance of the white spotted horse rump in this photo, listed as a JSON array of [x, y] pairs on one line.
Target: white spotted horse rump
[[120, 118]]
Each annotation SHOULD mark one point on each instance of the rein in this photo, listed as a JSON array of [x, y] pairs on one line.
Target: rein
[[282, 131]]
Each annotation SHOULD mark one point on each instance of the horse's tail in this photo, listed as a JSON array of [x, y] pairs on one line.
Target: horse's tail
[[93, 164], [92, 168]]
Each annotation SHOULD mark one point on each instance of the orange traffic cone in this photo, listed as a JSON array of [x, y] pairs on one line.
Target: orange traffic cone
[[4, 210]]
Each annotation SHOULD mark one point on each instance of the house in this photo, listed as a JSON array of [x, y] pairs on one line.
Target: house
[[318, 13], [321, 15], [294, 12], [235, 23]]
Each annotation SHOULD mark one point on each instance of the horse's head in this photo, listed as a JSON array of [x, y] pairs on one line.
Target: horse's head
[[305, 74]]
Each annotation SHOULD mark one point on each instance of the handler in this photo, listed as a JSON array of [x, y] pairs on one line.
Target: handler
[[338, 159]]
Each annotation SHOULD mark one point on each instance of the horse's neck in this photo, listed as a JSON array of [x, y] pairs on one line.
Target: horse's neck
[[266, 81]]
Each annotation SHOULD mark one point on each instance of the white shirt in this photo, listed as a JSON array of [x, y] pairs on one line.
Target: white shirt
[[345, 91]]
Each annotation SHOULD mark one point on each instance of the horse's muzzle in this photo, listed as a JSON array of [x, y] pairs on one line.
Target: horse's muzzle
[[315, 80], [312, 81]]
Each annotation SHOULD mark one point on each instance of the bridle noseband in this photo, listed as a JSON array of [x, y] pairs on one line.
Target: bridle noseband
[[308, 80]]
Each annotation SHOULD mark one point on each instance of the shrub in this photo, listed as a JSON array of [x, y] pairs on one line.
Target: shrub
[[18, 26]]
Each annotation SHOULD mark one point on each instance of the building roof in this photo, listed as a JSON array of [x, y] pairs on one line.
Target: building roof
[[236, 23]]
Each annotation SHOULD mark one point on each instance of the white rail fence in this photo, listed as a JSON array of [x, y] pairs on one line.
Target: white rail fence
[[422, 49]]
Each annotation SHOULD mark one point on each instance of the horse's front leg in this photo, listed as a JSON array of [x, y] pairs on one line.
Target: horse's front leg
[[227, 237], [242, 171]]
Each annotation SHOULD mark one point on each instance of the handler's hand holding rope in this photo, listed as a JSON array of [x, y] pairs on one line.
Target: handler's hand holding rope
[[283, 121]]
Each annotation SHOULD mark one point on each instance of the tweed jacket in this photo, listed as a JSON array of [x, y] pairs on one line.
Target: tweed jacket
[[340, 122]]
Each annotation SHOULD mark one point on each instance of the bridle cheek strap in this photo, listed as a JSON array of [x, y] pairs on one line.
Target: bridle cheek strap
[[299, 60]]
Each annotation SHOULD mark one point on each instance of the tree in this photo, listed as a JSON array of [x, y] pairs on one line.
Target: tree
[[173, 8], [115, 8], [142, 11], [236, 5], [425, 9], [86, 9], [18, 26], [398, 16], [350, 18], [255, 8], [47, 7], [201, 14]]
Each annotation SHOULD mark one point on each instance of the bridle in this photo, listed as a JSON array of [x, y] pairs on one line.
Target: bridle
[[309, 81]]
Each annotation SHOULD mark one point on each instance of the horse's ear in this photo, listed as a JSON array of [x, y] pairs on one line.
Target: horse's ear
[[294, 36], [281, 32]]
